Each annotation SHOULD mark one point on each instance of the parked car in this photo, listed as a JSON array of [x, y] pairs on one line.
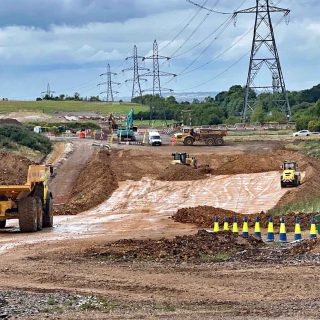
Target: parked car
[[302, 133]]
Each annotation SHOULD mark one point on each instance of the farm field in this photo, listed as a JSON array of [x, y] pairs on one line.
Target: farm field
[[49, 107]]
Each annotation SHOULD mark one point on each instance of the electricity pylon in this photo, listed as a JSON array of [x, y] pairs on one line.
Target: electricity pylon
[[157, 74], [264, 52], [48, 92], [109, 84], [136, 86]]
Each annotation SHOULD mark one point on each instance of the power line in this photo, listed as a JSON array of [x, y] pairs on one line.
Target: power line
[[206, 8], [184, 28], [230, 66]]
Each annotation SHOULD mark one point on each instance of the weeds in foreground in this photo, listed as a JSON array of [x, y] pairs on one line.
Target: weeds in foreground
[[306, 206]]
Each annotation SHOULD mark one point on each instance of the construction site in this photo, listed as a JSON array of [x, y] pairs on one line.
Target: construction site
[[172, 203], [133, 234]]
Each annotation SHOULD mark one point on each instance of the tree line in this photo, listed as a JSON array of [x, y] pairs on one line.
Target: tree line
[[226, 108]]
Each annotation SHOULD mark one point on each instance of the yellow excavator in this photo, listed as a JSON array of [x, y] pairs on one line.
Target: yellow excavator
[[184, 159], [31, 202], [290, 175]]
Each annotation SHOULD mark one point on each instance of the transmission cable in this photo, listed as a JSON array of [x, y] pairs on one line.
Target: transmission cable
[[229, 67], [184, 28]]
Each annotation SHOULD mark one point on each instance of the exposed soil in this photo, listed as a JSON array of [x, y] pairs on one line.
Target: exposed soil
[[184, 173], [94, 185], [202, 247], [10, 121], [203, 216], [13, 169]]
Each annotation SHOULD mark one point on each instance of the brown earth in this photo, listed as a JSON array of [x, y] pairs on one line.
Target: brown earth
[[94, 185], [10, 121], [183, 173], [203, 216], [14, 169], [194, 248]]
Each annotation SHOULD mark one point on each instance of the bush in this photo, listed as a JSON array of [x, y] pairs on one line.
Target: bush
[[11, 135]]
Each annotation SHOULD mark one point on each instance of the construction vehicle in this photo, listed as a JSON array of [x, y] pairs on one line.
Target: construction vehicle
[[112, 122], [184, 159], [127, 133], [290, 175], [31, 203], [190, 135]]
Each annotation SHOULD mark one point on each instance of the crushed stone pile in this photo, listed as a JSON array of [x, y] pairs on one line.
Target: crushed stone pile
[[201, 247], [184, 173], [203, 217], [14, 169], [94, 185]]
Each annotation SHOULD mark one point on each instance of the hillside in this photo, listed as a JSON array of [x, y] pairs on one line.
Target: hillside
[[50, 106]]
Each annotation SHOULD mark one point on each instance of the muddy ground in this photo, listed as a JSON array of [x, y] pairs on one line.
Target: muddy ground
[[128, 259]]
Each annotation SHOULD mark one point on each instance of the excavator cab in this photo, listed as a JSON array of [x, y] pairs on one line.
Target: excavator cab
[[290, 175]]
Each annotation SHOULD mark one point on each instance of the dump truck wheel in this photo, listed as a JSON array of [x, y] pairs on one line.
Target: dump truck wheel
[[219, 141], [188, 141], [39, 214], [48, 212], [28, 220], [210, 142], [3, 224]]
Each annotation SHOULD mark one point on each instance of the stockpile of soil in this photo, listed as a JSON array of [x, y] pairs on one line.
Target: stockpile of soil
[[203, 217], [245, 163], [13, 169], [183, 173], [202, 247], [10, 121], [136, 164], [94, 185]]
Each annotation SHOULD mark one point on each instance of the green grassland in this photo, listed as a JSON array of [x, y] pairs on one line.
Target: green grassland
[[49, 106]]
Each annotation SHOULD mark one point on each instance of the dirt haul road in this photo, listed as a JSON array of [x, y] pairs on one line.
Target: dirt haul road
[[55, 264]]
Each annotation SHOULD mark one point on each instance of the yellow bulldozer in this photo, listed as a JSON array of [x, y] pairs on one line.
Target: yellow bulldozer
[[31, 203], [184, 159], [290, 175]]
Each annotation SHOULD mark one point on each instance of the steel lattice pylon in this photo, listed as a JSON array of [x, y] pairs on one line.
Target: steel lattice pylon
[[109, 84], [264, 53], [157, 74], [136, 86]]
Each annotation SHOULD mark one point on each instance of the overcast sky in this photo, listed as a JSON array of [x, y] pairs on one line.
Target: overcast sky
[[68, 43]]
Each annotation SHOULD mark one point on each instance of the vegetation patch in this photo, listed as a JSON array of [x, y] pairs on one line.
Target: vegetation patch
[[11, 137]]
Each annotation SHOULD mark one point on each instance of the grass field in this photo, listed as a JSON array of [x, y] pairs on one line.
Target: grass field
[[69, 106]]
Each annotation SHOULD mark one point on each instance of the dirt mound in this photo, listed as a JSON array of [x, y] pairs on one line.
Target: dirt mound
[[202, 247], [203, 216], [14, 168], [245, 163], [183, 173], [10, 121], [94, 185]]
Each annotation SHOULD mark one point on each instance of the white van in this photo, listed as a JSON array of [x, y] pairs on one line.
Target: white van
[[154, 138]]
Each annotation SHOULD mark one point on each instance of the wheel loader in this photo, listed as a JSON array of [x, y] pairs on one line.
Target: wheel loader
[[31, 203], [184, 159], [290, 175]]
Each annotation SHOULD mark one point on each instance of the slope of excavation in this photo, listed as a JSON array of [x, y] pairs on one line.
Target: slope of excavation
[[247, 193]]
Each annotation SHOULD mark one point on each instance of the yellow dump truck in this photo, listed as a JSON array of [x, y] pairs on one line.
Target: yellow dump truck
[[31, 203], [211, 137]]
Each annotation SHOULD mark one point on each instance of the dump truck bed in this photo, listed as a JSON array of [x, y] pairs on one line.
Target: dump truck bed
[[12, 191]]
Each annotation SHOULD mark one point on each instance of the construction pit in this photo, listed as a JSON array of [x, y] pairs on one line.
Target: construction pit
[[132, 238]]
